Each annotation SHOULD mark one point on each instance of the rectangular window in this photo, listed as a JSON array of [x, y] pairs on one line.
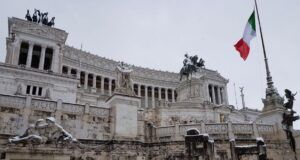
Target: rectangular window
[[33, 90], [40, 91], [28, 89]]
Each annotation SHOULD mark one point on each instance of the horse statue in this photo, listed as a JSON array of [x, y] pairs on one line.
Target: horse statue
[[45, 18], [39, 17], [190, 65], [27, 16], [35, 15], [51, 22]]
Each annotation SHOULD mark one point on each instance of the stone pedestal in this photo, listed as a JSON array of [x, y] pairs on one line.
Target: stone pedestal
[[271, 117], [191, 90], [124, 116], [273, 110]]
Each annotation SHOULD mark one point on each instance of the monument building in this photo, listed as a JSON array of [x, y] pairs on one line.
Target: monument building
[[59, 102]]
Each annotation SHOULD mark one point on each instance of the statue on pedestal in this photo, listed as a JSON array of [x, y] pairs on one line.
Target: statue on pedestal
[[190, 65], [289, 117], [124, 82], [39, 17], [27, 16]]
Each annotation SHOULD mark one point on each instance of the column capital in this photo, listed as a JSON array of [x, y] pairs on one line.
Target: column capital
[[31, 43], [44, 46]]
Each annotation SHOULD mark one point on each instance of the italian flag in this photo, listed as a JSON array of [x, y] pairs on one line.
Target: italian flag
[[243, 45]]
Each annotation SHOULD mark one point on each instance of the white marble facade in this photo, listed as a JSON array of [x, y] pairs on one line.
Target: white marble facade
[[42, 76]]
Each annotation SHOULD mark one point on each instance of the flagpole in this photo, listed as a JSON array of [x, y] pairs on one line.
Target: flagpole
[[270, 87]]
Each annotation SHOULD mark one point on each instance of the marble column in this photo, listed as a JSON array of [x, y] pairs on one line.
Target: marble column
[[225, 95], [213, 94], [94, 81], [173, 95], [55, 60], [15, 50], [69, 71], [207, 92], [219, 94], [166, 95], [153, 97], [78, 74], [139, 90], [42, 58], [86, 80], [159, 93], [29, 55], [109, 86], [102, 85], [146, 96], [222, 95]]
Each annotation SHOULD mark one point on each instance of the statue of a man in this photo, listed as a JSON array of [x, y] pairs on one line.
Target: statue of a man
[[187, 60], [124, 82]]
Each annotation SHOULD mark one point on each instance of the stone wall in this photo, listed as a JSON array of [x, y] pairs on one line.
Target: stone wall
[[15, 80], [82, 121]]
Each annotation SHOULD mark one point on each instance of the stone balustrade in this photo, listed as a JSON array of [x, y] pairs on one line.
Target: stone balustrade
[[216, 131]]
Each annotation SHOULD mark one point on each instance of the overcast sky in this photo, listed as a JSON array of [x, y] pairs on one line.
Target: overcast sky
[[157, 33]]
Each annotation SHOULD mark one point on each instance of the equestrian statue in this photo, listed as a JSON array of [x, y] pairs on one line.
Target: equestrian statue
[[190, 65]]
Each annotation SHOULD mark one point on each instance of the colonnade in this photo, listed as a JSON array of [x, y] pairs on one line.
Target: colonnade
[[106, 85], [38, 56], [217, 94]]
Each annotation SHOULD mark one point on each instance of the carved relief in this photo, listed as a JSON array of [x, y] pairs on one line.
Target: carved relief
[[14, 102], [100, 112], [43, 105], [71, 108]]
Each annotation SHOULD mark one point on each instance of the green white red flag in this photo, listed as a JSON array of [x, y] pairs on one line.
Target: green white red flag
[[243, 45]]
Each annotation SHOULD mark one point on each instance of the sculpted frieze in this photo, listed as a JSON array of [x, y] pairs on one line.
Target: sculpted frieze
[[73, 108], [9, 110], [100, 112], [43, 105], [14, 102]]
